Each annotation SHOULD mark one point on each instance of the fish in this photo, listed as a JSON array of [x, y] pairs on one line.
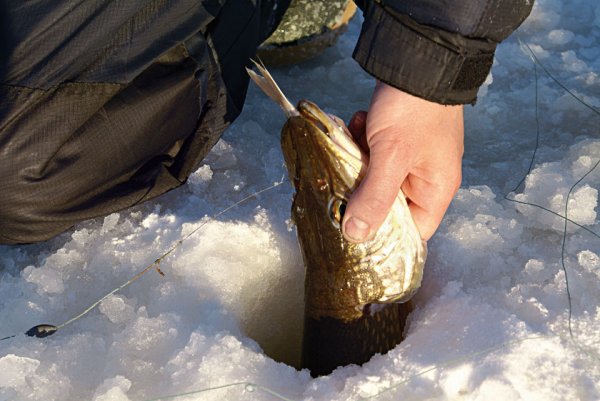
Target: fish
[[357, 295]]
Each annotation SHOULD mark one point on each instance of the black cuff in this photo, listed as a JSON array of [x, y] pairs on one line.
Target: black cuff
[[430, 63]]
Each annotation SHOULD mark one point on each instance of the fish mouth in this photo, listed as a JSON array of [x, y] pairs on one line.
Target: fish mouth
[[339, 139], [316, 116]]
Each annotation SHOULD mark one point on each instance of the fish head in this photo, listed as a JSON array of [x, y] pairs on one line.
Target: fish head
[[320, 154], [325, 166]]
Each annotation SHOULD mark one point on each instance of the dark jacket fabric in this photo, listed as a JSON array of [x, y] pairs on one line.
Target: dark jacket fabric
[[439, 50], [106, 104]]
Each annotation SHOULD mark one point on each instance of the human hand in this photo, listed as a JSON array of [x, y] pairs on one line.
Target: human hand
[[414, 145]]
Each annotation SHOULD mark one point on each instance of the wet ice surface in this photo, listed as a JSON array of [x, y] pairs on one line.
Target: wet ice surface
[[493, 277]]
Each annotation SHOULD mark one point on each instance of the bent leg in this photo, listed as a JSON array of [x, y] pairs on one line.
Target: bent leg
[[112, 103]]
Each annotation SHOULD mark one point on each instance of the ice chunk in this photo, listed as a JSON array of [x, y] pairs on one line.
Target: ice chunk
[[116, 309], [572, 62], [146, 334], [581, 207], [544, 15], [15, 370], [201, 178], [47, 280], [549, 183], [495, 389], [232, 294], [221, 156], [114, 389], [590, 261], [560, 36], [110, 222]]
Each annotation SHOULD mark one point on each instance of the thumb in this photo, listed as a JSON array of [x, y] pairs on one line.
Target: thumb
[[370, 204]]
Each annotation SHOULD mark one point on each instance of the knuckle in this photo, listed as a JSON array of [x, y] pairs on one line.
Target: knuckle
[[386, 140], [377, 205]]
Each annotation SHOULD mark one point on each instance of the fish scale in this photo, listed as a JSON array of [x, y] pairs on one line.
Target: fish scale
[[355, 293]]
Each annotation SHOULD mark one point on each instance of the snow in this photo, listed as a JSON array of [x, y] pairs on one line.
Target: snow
[[491, 320]]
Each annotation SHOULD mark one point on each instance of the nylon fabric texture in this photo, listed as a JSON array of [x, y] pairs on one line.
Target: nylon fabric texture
[[438, 50], [106, 104]]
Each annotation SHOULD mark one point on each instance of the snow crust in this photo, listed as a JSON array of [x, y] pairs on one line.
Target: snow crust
[[492, 315]]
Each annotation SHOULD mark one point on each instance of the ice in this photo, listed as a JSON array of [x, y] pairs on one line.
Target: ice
[[14, 370], [114, 389], [589, 261], [46, 281], [572, 62], [200, 179], [545, 14], [491, 319], [117, 309], [583, 200], [560, 36], [110, 222]]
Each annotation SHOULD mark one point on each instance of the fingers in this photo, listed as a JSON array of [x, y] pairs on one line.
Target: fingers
[[370, 203], [430, 200], [358, 129], [426, 222], [414, 144]]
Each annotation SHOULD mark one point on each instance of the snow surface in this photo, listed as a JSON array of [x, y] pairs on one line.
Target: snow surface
[[492, 315]]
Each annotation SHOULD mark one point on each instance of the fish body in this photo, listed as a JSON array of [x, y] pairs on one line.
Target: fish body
[[355, 294]]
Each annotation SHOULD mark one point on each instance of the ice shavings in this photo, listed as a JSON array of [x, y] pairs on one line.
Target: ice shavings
[[491, 319], [114, 389], [548, 185], [117, 309], [14, 370]]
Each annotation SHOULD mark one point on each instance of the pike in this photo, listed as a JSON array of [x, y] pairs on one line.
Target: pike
[[357, 296]]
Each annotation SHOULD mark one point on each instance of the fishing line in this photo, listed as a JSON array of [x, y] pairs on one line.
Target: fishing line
[[468, 357], [537, 132], [506, 344], [538, 62], [454, 362], [595, 234], [565, 218], [248, 386], [564, 240], [45, 330]]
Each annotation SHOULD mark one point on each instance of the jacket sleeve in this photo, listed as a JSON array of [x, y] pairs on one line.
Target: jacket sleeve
[[439, 50]]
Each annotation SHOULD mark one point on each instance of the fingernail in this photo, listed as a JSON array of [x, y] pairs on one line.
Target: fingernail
[[356, 229]]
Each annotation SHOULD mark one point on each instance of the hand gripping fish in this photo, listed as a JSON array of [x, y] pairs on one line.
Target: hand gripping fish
[[355, 294]]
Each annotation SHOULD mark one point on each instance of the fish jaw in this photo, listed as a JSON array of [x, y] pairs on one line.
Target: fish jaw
[[322, 173], [317, 150], [342, 277], [344, 281]]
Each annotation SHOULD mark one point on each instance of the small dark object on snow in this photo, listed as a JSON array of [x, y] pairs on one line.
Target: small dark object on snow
[[42, 330]]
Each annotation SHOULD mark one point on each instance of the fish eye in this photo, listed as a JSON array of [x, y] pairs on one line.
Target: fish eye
[[337, 208]]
